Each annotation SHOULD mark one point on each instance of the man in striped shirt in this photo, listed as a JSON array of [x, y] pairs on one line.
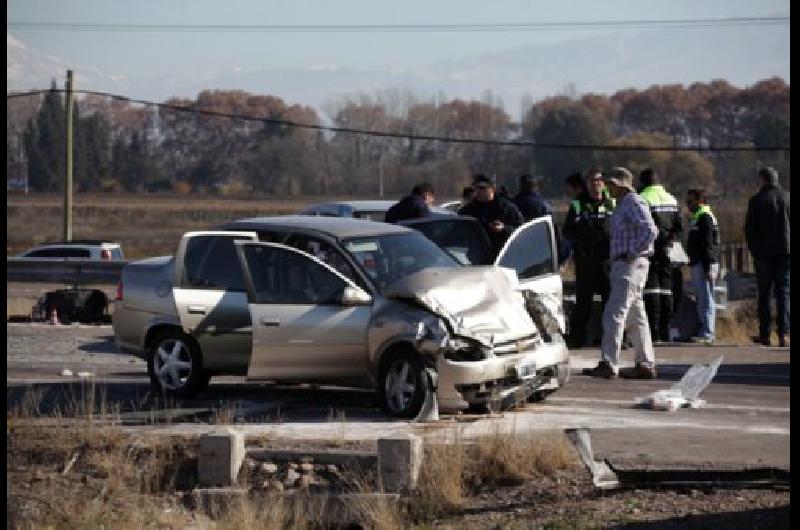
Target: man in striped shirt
[[632, 235]]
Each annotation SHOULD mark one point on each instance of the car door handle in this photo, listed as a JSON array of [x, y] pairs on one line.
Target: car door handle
[[270, 322], [197, 310]]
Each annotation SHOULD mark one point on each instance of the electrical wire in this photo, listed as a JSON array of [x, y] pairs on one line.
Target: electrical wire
[[399, 135], [405, 28]]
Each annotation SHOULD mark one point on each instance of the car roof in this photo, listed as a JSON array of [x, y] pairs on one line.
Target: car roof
[[366, 206], [339, 227], [359, 205], [98, 242]]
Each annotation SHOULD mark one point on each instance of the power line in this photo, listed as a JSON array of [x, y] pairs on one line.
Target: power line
[[405, 28], [399, 135]]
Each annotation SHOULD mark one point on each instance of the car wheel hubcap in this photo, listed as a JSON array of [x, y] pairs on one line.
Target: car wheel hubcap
[[400, 386], [173, 364]]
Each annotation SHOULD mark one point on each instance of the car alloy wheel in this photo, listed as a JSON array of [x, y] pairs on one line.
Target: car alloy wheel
[[403, 385], [400, 385], [172, 364]]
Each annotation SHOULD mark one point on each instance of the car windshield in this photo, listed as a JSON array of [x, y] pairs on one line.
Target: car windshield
[[388, 258]]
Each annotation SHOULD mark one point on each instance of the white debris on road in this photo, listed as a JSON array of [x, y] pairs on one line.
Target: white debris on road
[[685, 393]]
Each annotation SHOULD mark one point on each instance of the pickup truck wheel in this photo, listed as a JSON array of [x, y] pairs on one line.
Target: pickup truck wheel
[[402, 385], [175, 366]]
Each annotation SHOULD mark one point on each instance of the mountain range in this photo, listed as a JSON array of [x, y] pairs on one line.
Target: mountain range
[[603, 64]]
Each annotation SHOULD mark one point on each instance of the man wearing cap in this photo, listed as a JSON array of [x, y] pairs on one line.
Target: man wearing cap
[[412, 206], [498, 216], [658, 293], [632, 235], [767, 231], [587, 227]]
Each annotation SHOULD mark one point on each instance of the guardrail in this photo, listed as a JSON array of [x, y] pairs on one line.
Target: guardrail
[[72, 271]]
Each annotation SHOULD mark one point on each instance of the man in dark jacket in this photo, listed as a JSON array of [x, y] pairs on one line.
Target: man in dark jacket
[[412, 206], [658, 290], [586, 226], [531, 205], [703, 250], [767, 231], [498, 216]]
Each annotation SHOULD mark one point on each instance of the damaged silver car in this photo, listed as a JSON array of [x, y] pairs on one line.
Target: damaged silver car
[[343, 301]]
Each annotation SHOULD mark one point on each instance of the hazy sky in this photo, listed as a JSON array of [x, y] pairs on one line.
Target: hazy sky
[[160, 64]]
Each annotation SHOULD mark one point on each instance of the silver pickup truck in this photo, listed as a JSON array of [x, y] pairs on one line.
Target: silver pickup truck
[[349, 301]]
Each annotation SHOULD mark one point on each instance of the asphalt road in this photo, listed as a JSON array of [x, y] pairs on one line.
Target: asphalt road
[[744, 424]]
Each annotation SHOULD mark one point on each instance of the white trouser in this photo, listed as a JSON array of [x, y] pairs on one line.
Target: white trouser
[[625, 312]]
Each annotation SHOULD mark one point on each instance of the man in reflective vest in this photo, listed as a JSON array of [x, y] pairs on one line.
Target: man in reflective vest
[[703, 250], [587, 227], [658, 291]]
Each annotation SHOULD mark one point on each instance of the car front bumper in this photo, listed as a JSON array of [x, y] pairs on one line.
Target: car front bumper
[[499, 379]]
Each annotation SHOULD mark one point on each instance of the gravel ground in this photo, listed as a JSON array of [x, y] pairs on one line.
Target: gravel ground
[[570, 501]]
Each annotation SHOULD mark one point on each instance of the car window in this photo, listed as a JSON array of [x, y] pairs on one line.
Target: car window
[[388, 258], [210, 262], [465, 241], [60, 253], [116, 253], [531, 252], [326, 253], [281, 276]]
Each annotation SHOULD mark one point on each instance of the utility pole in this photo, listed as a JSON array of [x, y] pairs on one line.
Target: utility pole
[[68, 155], [380, 175]]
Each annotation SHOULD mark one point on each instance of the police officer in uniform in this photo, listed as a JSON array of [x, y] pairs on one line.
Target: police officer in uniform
[[658, 291], [586, 226]]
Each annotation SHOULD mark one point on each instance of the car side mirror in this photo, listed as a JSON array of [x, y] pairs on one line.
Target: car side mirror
[[355, 296]]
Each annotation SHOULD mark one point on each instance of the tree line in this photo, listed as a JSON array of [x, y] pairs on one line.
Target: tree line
[[121, 146]]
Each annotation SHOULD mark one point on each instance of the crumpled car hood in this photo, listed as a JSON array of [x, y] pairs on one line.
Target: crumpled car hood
[[483, 303]]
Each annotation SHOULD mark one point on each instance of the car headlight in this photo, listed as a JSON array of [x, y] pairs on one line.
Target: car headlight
[[460, 349]]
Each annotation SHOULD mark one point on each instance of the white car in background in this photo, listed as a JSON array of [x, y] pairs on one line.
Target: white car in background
[[80, 249]]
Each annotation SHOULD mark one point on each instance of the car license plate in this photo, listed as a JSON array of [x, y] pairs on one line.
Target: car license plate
[[526, 369]]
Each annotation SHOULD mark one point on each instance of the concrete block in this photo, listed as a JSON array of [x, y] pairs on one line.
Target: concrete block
[[399, 462], [220, 457]]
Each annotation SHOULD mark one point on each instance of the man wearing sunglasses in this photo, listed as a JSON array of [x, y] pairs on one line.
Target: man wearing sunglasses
[[498, 216]]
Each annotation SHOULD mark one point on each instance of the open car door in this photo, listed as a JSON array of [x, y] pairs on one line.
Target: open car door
[[461, 237], [309, 321], [532, 252], [210, 297]]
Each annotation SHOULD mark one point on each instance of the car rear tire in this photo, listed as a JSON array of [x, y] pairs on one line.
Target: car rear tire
[[175, 366], [402, 385]]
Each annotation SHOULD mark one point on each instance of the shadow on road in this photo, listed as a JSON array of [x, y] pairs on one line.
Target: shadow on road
[[770, 374], [238, 402], [101, 345]]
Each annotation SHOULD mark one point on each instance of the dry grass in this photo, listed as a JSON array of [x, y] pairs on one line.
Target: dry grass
[[740, 325], [225, 414], [145, 225], [114, 481], [151, 225], [453, 472], [90, 473]]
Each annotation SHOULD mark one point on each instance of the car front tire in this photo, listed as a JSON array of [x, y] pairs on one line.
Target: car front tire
[[175, 366], [402, 385]]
